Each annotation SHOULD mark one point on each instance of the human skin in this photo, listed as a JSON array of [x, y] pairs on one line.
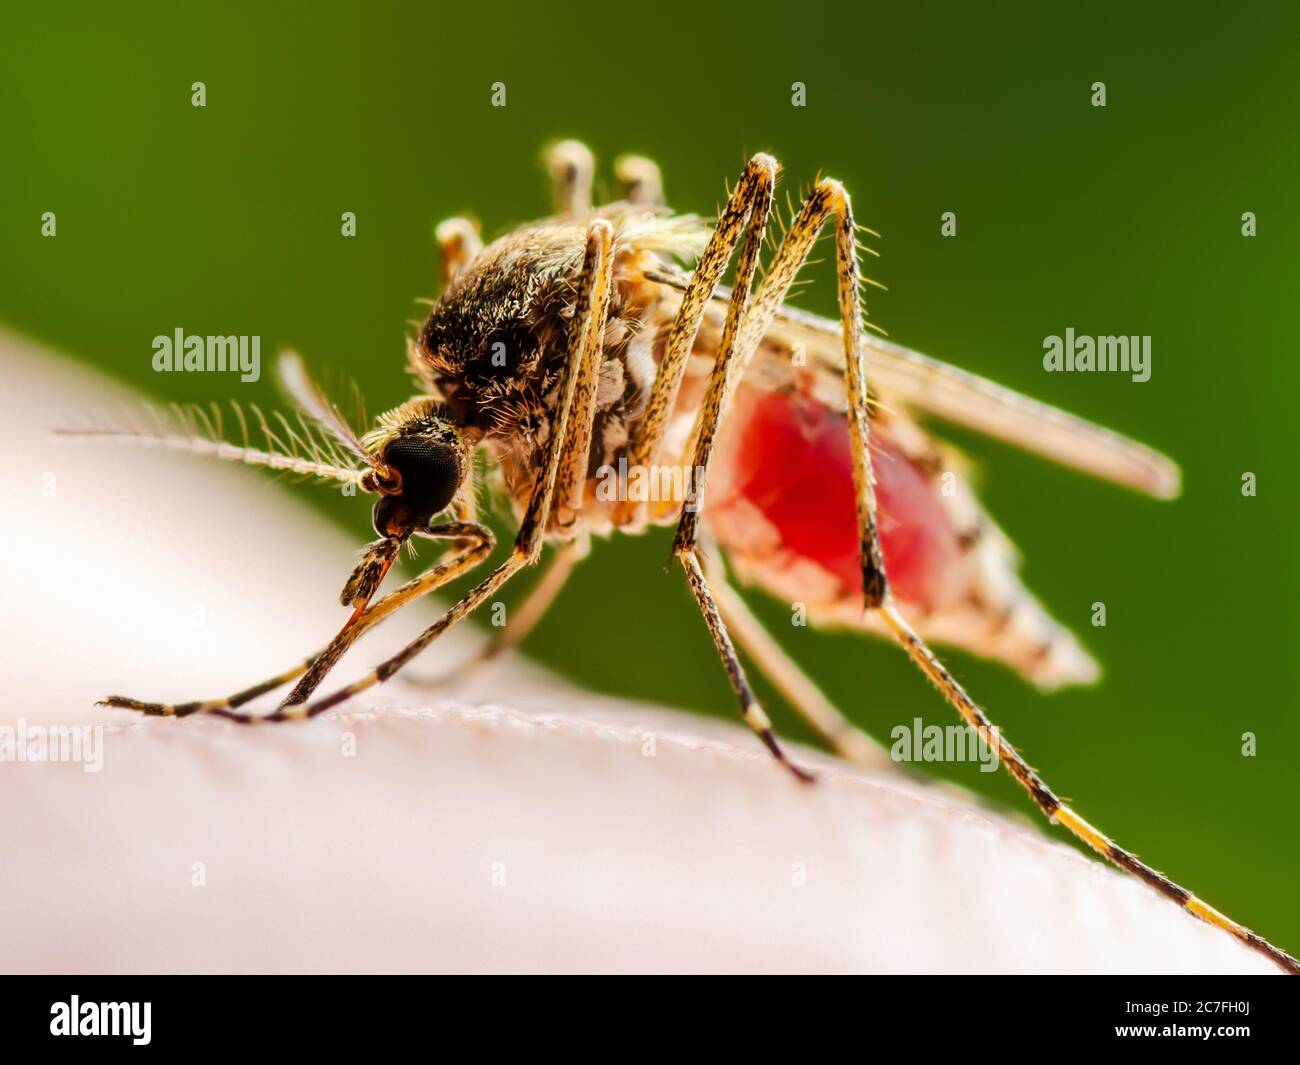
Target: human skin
[[514, 823]]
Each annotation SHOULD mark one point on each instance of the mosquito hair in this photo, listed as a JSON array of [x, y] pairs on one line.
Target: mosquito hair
[[243, 422], [799, 285], [302, 451]]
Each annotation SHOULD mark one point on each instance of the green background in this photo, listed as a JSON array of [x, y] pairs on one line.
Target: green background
[[1117, 220]]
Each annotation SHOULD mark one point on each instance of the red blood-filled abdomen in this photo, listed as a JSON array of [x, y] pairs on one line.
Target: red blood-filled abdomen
[[785, 463]]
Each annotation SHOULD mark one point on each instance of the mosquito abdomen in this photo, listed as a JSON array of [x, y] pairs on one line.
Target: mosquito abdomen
[[783, 506]]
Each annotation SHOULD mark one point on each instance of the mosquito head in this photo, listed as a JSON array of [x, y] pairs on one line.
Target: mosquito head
[[422, 460]]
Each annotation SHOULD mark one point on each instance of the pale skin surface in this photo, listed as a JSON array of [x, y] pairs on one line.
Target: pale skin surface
[[515, 825]]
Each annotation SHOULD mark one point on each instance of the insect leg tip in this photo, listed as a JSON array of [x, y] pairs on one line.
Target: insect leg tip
[[125, 702]]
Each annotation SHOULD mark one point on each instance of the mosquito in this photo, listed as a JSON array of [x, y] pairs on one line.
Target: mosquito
[[601, 339]]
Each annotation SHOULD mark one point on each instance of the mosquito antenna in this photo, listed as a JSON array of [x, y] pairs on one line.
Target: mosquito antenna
[[198, 431], [311, 400]]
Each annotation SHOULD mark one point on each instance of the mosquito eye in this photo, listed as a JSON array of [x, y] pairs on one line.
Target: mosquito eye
[[431, 472]]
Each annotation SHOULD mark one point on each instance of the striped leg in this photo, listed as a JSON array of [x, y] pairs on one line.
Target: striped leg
[[808, 700], [1057, 811], [750, 708], [877, 595], [749, 205], [588, 332], [800, 691], [521, 621], [830, 198], [747, 210], [477, 542], [481, 540]]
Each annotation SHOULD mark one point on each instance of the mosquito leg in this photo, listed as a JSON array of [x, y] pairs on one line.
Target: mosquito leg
[[588, 332], [458, 243], [1054, 808], [639, 182], [483, 542], [829, 199], [808, 700], [747, 210], [522, 620], [800, 691], [754, 715], [476, 543], [571, 477], [572, 169], [748, 204], [230, 702]]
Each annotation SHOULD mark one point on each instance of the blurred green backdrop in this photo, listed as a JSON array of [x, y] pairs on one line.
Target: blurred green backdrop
[[1125, 219]]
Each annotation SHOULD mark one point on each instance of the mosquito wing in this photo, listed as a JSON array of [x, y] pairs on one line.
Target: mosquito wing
[[978, 403]]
